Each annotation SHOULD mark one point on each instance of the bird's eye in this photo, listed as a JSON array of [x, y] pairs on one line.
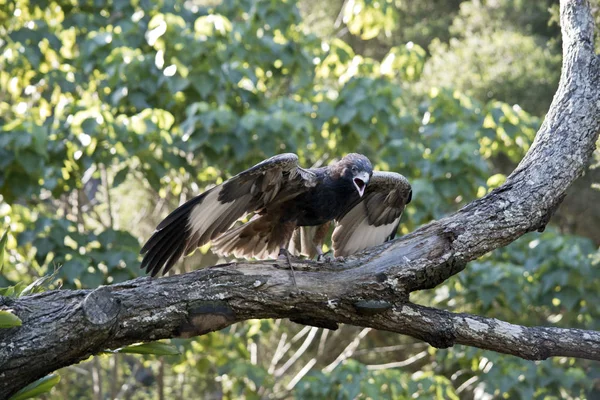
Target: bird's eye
[[409, 197], [354, 169]]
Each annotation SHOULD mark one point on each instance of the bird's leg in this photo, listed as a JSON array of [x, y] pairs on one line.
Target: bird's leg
[[284, 254], [285, 234], [318, 240]]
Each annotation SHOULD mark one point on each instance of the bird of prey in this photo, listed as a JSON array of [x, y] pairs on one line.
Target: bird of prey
[[292, 209]]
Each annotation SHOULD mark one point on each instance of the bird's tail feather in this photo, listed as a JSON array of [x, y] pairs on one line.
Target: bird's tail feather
[[259, 238]]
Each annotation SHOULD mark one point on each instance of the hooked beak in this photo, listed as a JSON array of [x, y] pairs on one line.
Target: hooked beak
[[360, 182]]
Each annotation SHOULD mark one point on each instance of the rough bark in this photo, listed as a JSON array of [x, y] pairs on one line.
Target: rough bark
[[371, 289]]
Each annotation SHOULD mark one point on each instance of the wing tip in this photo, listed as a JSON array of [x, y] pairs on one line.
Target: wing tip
[[165, 247]]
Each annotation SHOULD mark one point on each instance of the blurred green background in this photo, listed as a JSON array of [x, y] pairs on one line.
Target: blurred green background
[[112, 114]]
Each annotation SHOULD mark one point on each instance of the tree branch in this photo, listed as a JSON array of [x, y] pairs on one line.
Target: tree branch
[[370, 289]]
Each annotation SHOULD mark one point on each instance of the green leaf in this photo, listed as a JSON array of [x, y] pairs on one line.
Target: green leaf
[[9, 320], [7, 291], [89, 125], [21, 140], [31, 162], [39, 285], [13, 291], [40, 140], [36, 388], [2, 246], [120, 176], [92, 280], [107, 238], [203, 85], [73, 269], [346, 114], [156, 348]]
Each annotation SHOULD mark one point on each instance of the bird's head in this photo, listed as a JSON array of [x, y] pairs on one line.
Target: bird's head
[[358, 169]]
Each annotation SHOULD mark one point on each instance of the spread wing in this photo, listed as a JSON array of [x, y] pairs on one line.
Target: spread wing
[[206, 216], [374, 219]]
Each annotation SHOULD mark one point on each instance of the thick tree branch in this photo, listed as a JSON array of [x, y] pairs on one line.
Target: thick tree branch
[[68, 326], [371, 289]]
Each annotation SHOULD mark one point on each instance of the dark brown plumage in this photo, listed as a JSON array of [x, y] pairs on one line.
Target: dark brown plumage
[[292, 207]]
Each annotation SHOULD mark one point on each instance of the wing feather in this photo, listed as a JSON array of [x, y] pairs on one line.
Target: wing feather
[[302, 242], [208, 215], [375, 217]]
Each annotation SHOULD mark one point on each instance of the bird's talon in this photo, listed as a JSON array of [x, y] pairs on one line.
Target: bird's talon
[[325, 258], [329, 258]]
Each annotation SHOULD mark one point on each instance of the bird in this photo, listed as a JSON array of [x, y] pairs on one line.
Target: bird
[[290, 211]]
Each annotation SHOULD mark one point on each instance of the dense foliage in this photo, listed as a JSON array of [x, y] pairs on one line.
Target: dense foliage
[[112, 114]]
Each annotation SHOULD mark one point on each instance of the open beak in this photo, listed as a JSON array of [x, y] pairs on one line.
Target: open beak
[[360, 182]]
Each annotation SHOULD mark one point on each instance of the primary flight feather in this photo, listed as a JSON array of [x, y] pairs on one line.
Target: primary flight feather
[[293, 208]]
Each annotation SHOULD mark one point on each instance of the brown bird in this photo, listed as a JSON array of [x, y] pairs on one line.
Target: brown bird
[[292, 207]]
